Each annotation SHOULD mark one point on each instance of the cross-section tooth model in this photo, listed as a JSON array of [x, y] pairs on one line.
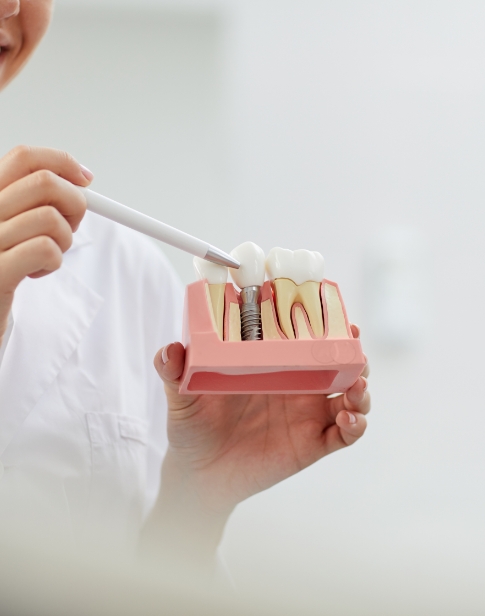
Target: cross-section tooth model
[[249, 278], [297, 277], [216, 276], [289, 334]]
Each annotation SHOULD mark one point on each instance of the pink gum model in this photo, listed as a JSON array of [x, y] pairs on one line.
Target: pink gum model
[[317, 366]]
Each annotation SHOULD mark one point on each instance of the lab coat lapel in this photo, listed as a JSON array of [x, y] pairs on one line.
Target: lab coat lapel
[[51, 315]]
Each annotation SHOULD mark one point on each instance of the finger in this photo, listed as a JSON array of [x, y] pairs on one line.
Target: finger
[[357, 398], [169, 363], [351, 426], [40, 274], [355, 329], [24, 160], [38, 255], [346, 430], [44, 220], [43, 188]]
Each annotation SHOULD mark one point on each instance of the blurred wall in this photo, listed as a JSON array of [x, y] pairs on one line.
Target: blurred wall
[[321, 125], [350, 118]]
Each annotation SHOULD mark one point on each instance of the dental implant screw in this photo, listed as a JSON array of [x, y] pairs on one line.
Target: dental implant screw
[[251, 314]]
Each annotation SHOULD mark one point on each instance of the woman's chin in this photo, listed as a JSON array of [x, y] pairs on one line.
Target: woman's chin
[[4, 64], [10, 64]]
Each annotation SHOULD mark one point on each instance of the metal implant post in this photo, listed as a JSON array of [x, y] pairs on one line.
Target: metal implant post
[[251, 314]]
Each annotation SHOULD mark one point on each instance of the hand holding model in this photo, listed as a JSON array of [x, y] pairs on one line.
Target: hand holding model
[[226, 448], [40, 208]]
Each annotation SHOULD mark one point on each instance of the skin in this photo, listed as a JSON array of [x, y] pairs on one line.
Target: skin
[[222, 449]]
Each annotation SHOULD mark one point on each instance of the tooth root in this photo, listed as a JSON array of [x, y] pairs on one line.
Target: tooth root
[[232, 315], [211, 309], [269, 320], [309, 295], [285, 292], [300, 323], [234, 323], [216, 293], [337, 323], [270, 332]]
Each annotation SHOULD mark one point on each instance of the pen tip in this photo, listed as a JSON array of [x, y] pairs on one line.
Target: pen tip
[[214, 255]]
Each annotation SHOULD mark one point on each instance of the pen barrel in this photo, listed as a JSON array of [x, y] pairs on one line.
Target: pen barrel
[[144, 224]]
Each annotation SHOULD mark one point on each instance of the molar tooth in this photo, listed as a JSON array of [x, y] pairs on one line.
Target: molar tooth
[[297, 277], [216, 276], [279, 263], [307, 266], [299, 265]]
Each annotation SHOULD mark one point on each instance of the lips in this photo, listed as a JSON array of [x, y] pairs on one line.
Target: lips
[[3, 53]]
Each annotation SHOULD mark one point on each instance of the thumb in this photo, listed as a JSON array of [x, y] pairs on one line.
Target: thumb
[[169, 363]]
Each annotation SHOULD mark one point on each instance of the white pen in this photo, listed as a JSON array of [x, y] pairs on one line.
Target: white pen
[[156, 229]]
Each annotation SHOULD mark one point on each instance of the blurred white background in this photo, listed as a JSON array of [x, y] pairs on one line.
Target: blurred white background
[[331, 125]]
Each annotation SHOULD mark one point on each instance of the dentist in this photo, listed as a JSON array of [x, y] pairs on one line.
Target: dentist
[[96, 448]]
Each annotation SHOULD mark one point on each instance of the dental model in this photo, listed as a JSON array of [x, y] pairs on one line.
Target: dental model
[[249, 278], [289, 334], [216, 277]]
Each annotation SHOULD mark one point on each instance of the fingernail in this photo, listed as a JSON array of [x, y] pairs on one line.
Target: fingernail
[[89, 175], [365, 383], [352, 418], [165, 357]]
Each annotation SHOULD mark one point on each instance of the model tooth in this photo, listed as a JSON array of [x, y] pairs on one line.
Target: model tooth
[[252, 260], [309, 295], [216, 277], [307, 266], [297, 277], [285, 298], [279, 263], [213, 273], [249, 278]]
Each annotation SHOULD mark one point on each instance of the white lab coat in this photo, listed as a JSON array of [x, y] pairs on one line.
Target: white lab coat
[[82, 409]]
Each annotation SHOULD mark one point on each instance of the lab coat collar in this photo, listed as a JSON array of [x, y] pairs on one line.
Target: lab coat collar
[[51, 316]]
